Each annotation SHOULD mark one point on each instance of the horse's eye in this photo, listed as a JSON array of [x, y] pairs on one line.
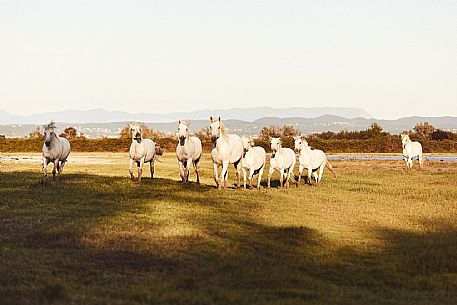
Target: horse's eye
[[219, 127]]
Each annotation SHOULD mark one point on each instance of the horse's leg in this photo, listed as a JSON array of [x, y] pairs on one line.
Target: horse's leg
[[188, 164], [421, 160], [287, 176], [196, 171], [216, 176], [316, 177], [238, 167], [140, 169], [292, 176], [244, 177], [44, 169], [224, 172], [281, 179], [54, 170], [259, 178], [270, 172], [310, 170], [62, 164], [300, 172], [151, 167], [131, 169], [181, 170], [321, 171], [251, 177]]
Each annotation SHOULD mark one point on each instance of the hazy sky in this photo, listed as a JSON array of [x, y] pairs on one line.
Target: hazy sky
[[392, 58]]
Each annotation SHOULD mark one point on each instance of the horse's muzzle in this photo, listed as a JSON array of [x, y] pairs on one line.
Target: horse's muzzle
[[138, 135], [182, 140], [214, 139], [47, 143]]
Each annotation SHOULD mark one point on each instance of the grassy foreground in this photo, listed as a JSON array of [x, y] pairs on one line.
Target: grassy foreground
[[375, 235]]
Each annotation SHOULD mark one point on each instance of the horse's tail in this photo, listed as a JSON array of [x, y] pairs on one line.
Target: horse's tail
[[330, 168]]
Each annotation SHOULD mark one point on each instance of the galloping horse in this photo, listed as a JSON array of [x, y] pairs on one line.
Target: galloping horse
[[311, 159], [254, 160], [141, 151], [282, 159], [188, 151], [55, 150], [226, 149]]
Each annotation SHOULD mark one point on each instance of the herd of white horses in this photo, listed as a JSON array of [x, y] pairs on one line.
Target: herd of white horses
[[226, 149]]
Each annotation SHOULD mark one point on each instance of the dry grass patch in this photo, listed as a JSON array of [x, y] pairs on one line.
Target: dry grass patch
[[376, 235]]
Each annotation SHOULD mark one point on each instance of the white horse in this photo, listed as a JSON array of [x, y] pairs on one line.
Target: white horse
[[411, 149], [282, 159], [311, 159], [55, 150], [141, 151], [188, 151], [254, 160], [226, 149]]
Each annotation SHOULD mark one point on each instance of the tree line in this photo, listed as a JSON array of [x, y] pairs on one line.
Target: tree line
[[371, 140]]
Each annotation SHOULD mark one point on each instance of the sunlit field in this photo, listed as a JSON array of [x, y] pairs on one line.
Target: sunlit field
[[376, 234]]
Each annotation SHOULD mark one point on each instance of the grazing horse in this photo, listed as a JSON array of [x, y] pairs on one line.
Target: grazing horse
[[254, 160], [188, 151], [55, 150], [410, 150], [226, 149], [282, 159], [141, 151], [311, 159]]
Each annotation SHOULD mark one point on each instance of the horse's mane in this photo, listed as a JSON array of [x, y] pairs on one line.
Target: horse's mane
[[185, 122], [223, 130], [51, 125]]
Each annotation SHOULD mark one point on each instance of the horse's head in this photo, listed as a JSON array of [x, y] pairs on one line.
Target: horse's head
[[404, 138], [49, 132], [275, 144], [183, 131], [299, 143], [248, 142], [137, 132], [215, 127]]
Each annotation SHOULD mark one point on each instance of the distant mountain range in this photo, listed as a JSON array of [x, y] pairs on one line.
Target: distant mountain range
[[245, 114], [306, 125]]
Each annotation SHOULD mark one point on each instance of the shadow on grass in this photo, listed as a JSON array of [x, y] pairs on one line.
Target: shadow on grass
[[49, 252]]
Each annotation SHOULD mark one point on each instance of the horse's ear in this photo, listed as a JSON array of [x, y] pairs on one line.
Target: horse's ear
[[179, 122]]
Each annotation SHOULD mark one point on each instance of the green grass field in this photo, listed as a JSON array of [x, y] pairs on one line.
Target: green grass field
[[375, 235]]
